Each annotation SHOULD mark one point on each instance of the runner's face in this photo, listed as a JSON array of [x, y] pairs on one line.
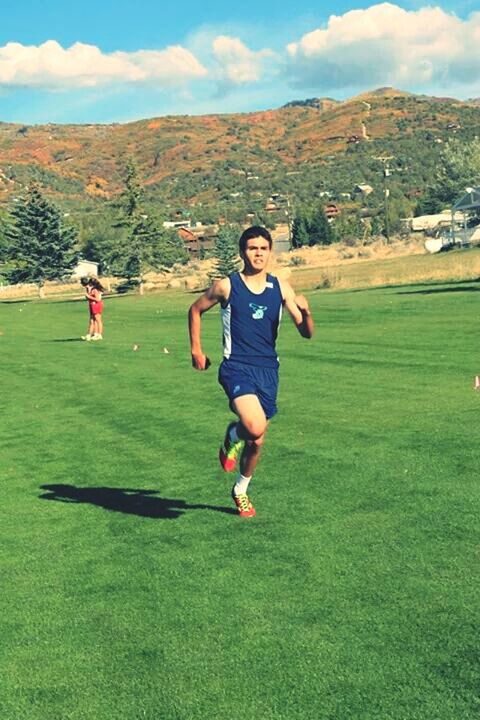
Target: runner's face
[[257, 253]]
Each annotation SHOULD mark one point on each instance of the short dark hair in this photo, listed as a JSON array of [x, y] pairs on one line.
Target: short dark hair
[[254, 232]]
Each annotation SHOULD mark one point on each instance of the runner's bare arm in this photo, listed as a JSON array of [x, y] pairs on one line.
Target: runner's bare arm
[[218, 292], [297, 306]]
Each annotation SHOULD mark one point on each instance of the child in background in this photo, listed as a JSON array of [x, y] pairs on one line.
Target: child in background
[[93, 293]]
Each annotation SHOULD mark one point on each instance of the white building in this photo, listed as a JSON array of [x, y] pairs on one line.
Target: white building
[[362, 189], [177, 224], [84, 268], [430, 222]]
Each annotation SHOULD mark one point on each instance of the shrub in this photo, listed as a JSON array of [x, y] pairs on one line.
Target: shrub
[[328, 280], [295, 261]]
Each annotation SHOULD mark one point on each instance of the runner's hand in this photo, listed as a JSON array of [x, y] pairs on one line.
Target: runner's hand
[[200, 361]]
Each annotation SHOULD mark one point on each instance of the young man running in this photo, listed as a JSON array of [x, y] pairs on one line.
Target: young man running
[[251, 307]]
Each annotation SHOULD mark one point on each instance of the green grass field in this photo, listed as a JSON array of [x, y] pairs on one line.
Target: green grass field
[[129, 589]]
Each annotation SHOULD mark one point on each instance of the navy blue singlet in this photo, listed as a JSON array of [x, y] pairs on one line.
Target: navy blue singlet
[[250, 323]]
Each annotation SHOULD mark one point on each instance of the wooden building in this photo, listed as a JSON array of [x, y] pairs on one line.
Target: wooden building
[[198, 239]]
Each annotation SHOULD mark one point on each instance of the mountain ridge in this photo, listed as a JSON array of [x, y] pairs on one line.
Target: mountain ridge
[[187, 159]]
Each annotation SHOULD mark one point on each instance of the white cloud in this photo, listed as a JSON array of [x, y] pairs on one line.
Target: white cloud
[[385, 44], [236, 63], [424, 49], [51, 66]]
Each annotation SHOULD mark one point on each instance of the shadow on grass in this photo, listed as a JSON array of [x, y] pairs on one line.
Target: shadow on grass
[[435, 286], [126, 500], [74, 339], [16, 302], [432, 291]]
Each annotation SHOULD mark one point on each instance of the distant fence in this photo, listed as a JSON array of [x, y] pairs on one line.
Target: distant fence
[[30, 290]]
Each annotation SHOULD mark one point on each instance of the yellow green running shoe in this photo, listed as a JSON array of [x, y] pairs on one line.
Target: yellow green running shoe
[[244, 505], [229, 451]]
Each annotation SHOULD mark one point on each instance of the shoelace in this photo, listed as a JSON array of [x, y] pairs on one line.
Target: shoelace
[[243, 502]]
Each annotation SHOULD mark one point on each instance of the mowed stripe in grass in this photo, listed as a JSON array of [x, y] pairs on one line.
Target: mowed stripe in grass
[[130, 590]]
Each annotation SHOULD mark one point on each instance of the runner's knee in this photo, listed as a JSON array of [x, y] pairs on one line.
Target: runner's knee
[[255, 428], [257, 442]]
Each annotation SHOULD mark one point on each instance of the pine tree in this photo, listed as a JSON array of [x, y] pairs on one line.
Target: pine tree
[[142, 244], [225, 252], [132, 256], [132, 196], [3, 239], [319, 230], [299, 231], [37, 243]]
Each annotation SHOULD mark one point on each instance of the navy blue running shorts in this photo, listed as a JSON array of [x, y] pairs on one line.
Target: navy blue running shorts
[[238, 379]]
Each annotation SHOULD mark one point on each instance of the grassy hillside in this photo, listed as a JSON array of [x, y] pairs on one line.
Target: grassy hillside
[[301, 149]]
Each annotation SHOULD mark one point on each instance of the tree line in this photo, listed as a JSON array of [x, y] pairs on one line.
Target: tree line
[[38, 243]]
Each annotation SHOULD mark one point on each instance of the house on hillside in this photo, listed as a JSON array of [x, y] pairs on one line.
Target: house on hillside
[[362, 190], [332, 210], [270, 206], [176, 224], [198, 239], [276, 202]]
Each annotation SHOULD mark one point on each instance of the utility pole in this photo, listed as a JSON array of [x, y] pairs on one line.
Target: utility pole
[[289, 221], [384, 159], [248, 199], [386, 189]]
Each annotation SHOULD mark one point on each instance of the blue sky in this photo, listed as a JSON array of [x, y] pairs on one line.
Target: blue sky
[[105, 61]]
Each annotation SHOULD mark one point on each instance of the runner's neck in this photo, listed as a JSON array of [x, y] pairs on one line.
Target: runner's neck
[[256, 281]]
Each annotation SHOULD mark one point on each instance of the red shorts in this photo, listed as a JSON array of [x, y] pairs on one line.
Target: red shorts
[[96, 308]]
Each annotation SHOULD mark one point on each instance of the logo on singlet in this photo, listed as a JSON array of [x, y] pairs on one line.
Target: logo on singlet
[[258, 311]]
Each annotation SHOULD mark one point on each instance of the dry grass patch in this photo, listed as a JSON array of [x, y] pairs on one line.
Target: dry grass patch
[[456, 265]]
